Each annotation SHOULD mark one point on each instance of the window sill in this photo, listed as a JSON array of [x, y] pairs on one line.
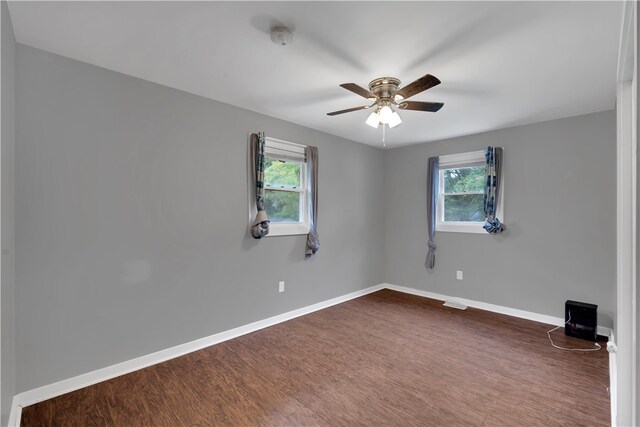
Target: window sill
[[278, 229], [461, 227]]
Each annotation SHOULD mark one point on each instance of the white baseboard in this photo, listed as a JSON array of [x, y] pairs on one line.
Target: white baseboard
[[31, 397], [536, 317], [613, 378]]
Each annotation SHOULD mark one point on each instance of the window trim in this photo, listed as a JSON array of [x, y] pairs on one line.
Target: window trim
[[461, 160], [297, 154]]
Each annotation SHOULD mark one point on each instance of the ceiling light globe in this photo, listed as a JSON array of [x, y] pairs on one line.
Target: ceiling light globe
[[373, 120], [395, 120], [385, 114]]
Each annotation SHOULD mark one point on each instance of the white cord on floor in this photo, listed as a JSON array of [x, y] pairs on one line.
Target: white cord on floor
[[598, 347]]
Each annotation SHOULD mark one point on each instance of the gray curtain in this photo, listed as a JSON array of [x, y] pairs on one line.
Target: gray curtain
[[433, 174], [260, 225], [313, 240], [492, 190]]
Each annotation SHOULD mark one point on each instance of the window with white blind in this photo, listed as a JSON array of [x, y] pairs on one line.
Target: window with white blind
[[286, 187], [460, 193]]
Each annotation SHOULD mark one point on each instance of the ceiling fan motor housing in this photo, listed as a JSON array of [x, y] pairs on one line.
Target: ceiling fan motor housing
[[384, 87]]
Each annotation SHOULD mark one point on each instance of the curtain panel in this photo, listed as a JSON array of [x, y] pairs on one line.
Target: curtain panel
[[433, 174], [313, 239], [260, 225], [492, 190]]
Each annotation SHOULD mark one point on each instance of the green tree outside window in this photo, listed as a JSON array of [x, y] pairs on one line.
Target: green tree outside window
[[463, 192], [282, 206]]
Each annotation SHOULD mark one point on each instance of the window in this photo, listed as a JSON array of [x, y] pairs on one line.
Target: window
[[460, 193], [286, 192]]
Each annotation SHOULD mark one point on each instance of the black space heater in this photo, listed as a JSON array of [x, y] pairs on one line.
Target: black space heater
[[581, 320]]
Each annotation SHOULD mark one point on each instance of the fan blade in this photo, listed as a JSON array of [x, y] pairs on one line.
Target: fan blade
[[420, 106], [358, 90], [423, 83], [348, 110]]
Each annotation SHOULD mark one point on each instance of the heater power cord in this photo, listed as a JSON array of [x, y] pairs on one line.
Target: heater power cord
[[598, 347]]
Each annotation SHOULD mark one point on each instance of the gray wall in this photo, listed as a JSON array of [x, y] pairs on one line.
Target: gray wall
[[131, 220], [7, 356], [560, 213]]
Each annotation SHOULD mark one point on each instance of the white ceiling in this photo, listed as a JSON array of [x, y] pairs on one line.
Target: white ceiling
[[501, 63]]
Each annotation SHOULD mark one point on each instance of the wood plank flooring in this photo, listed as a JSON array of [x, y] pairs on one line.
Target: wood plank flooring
[[386, 359]]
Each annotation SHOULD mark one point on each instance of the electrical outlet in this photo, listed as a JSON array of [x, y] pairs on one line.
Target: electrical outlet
[[281, 287], [459, 274]]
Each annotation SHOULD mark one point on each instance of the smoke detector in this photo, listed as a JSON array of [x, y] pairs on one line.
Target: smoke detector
[[281, 36]]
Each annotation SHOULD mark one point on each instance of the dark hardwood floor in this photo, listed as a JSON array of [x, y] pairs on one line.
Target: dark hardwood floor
[[383, 359]]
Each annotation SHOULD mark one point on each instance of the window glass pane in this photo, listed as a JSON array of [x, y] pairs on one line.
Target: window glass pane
[[462, 180], [466, 207], [278, 173], [282, 206]]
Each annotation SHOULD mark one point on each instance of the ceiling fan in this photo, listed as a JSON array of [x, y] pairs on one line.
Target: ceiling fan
[[385, 95]]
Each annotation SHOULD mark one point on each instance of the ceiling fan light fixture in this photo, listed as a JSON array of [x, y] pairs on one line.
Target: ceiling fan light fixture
[[385, 93], [395, 120], [373, 120]]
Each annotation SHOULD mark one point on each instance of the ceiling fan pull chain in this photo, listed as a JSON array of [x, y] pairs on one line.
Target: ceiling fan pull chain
[[384, 135]]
